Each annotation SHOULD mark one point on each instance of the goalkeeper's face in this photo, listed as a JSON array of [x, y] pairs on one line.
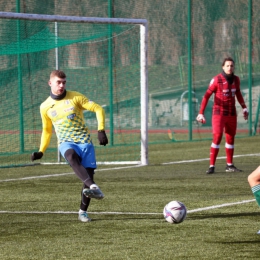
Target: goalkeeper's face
[[228, 67], [57, 85]]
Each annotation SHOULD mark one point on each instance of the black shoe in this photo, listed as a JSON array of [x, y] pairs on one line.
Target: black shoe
[[232, 168], [210, 170]]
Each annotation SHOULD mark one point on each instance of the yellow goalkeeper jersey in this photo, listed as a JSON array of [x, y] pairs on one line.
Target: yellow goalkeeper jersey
[[66, 115]]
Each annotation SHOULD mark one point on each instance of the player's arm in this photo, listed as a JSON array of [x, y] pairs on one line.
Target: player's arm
[[241, 101], [200, 118], [100, 114], [45, 138], [205, 101]]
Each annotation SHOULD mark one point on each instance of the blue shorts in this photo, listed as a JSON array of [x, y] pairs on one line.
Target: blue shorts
[[86, 152]]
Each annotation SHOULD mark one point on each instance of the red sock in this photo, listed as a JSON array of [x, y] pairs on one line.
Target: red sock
[[213, 153], [229, 153]]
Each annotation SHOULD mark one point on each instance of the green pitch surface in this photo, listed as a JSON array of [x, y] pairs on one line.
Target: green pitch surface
[[39, 205]]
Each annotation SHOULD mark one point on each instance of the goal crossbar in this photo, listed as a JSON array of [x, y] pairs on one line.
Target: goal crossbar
[[71, 19], [143, 58]]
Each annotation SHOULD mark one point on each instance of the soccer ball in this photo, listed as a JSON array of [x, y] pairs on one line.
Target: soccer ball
[[174, 212]]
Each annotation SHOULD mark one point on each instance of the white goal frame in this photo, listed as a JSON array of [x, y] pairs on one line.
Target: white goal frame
[[143, 59]]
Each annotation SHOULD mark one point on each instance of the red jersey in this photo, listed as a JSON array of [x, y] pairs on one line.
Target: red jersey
[[224, 96]]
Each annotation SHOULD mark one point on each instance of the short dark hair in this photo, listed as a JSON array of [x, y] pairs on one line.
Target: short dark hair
[[58, 73], [227, 59]]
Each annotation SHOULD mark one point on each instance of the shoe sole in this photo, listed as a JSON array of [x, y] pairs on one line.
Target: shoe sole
[[232, 171], [89, 220], [90, 194]]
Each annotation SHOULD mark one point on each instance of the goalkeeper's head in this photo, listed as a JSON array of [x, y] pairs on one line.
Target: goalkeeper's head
[[228, 66], [58, 73], [57, 82]]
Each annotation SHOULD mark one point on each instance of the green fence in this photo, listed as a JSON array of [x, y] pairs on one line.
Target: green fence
[[188, 40]]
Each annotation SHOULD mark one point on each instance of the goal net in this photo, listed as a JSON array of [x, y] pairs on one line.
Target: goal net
[[103, 58]]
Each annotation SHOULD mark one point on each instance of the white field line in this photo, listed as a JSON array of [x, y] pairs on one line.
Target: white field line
[[221, 206], [64, 174], [122, 213], [118, 168], [206, 159], [126, 213]]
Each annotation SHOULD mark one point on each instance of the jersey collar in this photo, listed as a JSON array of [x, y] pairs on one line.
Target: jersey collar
[[60, 97]]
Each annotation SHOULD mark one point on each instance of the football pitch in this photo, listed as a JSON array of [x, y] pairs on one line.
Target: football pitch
[[39, 206]]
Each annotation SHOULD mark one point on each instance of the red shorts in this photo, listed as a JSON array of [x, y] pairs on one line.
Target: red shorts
[[229, 123]]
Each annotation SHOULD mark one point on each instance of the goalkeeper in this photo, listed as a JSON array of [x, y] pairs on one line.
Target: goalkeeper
[[225, 86], [64, 110]]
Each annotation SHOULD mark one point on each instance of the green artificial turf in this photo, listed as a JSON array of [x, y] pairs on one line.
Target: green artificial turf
[[38, 213]]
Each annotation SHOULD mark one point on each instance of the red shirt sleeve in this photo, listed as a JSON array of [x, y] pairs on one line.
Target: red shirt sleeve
[[207, 95]]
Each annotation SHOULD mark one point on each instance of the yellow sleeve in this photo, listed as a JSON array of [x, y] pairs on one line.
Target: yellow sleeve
[[96, 108], [46, 131], [100, 114]]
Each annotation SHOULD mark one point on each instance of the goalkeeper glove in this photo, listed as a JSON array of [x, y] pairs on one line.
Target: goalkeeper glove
[[36, 156], [200, 118], [102, 137], [245, 113]]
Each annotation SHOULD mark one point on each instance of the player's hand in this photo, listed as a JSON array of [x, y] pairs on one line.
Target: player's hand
[[245, 113], [36, 156], [200, 118], [102, 137]]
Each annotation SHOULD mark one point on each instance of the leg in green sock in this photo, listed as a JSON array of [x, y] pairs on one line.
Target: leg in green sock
[[254, 182], [256, 192]]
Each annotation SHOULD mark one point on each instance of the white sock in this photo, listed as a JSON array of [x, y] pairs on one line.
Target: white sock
[[94, 186], [81, 211]]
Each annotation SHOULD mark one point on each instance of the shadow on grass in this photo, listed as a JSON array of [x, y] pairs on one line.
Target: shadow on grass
[[224, 215], [113, 218], [256, 241]]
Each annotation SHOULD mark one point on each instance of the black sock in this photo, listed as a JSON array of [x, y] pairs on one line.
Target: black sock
[[74, 160], [85, 201]]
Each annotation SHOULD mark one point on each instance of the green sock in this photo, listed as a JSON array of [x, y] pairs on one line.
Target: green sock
[[256, 192]]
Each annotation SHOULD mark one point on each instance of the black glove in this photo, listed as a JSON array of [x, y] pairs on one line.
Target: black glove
[[36, 156], [102, 137]]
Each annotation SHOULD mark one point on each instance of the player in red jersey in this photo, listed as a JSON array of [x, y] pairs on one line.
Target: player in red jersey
[[225, 86]]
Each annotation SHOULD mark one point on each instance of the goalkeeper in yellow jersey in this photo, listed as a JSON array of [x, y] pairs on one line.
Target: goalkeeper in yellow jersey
[[64, 110]]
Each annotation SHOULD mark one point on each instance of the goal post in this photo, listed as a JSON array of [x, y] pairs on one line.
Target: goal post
[[40, 42]]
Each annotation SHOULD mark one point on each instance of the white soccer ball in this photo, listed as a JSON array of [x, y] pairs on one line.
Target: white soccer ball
[[174, 212]]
